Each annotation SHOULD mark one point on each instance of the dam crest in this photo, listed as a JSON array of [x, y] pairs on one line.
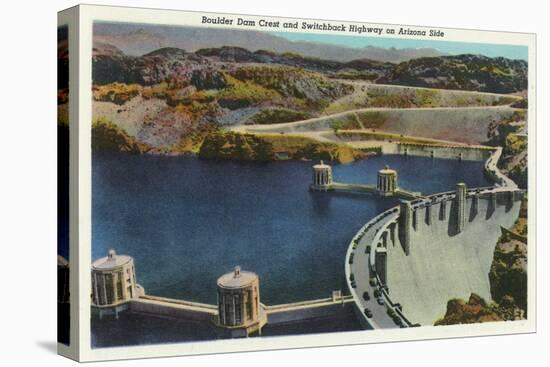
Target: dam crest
[[415, 257]]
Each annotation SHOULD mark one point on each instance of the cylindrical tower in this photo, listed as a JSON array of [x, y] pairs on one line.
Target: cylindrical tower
[[322, 177], [114, 280], [239, 301], [387, 181]]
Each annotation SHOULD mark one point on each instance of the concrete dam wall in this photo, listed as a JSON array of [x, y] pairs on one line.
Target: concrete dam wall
[[466, 153], [445, 253], [417, 256]]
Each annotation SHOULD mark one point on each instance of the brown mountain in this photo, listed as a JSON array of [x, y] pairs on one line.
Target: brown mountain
[[461, 72], [467, 72]]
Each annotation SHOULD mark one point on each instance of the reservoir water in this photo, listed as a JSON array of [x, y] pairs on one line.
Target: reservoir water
[[187, 221]]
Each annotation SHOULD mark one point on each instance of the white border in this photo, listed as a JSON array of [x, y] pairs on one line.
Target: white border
[[69, 18], [87, 15]]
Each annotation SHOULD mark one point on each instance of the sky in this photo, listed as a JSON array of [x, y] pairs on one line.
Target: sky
[[355, 41], [453, 48]]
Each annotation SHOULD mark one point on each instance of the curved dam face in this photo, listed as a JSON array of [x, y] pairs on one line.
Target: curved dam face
[[447, 251]]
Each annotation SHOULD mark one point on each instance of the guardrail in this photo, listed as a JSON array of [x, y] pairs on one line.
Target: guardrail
[[445, 145], [180, 302], [310, 303]]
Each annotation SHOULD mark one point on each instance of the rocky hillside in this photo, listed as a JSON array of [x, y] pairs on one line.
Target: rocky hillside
[[226, 73], [268, 147], [477, 310], [462, 72], [355, 69], [511, 134], [112, 65], [465, 72], [160, 98], [107, 137], [508, 275]]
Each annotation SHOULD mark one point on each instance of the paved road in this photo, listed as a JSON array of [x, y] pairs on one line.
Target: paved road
[[397, 86], [491, 165], [291, 125], [360, 269]]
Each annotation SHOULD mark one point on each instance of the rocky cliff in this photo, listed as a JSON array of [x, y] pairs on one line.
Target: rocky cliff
[[161, 98], [477, 310], [466, 72]]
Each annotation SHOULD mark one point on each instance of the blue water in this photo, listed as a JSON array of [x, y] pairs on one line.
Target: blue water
[[142, 329], [187, 221]]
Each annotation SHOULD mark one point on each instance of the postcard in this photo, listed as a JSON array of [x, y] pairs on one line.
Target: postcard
[[235, 183]]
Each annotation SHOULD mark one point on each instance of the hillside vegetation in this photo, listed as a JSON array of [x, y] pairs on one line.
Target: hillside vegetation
[[511, 134], [384, 96], [508, 275], [476, 310], [268, 147], [108, 137], [465, 72], [462, 72], [170, 100]]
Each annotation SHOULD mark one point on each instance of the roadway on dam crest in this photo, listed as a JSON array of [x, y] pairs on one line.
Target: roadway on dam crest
[[360, 270]]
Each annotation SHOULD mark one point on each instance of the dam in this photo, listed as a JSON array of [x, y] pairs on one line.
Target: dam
[[421, 254], [412, 258], [305, 305], [238, 313], [443, 262]]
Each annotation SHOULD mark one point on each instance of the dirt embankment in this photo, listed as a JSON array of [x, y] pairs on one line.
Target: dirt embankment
[[269, 147]]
